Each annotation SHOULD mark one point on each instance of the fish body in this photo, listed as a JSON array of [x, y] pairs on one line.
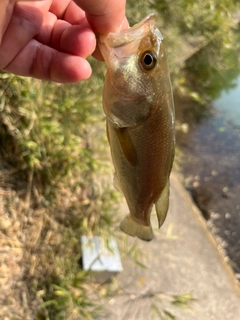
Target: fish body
[[138, 103]]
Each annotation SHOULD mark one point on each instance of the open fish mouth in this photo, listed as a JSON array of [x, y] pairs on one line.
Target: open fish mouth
[[118, 46], [133, 34]]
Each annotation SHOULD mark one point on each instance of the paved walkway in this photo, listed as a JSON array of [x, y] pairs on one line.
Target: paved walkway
[[182, 258]]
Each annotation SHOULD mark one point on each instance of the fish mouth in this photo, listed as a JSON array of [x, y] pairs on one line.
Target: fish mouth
[[137, 32], [129, 38]]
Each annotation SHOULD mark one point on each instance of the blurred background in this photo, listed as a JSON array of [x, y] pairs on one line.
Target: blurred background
[[55, 164]]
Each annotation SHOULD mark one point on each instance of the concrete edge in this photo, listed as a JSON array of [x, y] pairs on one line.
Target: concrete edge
[[176, 179]]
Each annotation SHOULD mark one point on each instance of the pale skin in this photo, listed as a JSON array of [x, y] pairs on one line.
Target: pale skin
[[51, 39]]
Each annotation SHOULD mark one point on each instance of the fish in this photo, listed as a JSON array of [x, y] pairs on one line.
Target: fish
[[138, 103]]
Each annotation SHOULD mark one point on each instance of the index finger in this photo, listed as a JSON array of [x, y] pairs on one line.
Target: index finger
[[106, 15]]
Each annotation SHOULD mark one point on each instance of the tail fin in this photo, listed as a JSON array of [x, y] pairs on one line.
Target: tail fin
[[134, 229]]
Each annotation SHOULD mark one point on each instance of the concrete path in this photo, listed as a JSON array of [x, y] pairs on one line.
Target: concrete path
[[182, 259]]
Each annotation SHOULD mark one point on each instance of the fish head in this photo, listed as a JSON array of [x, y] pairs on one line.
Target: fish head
[[137, 76]]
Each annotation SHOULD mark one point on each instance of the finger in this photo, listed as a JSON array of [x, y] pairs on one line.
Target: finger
[[104, 16], [76, 40], [61, 35], [74, 15], [68, 10], [6, 9], [46, 63], [45, 34], [59, 7], [24, 25]]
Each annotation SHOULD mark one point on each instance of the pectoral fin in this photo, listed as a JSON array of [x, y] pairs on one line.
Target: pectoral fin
[[127, 146], [162, 205]]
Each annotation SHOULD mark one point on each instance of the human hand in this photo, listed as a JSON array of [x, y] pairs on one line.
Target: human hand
[[51, 39]]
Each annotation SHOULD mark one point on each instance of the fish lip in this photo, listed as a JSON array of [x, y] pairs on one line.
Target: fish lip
[[134, 33]]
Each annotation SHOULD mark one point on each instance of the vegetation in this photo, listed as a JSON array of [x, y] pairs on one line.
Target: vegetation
[[54, 159]]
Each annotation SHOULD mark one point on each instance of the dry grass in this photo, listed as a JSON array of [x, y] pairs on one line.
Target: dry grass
[[14, 293], [39, 245]]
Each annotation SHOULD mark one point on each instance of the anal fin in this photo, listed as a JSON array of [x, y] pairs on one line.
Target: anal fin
[[162, 205]]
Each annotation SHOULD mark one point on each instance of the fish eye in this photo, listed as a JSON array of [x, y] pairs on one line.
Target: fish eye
[[148, 60]]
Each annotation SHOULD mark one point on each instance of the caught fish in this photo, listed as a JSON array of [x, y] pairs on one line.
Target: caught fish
[[138, 103]]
